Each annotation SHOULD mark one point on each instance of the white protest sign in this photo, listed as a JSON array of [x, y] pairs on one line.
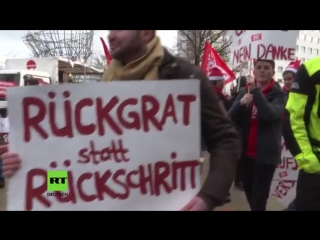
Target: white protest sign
[[125, 145], [284, 181], [265, 44]]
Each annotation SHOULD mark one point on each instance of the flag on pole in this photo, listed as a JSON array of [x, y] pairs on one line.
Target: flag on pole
[[212, 59]]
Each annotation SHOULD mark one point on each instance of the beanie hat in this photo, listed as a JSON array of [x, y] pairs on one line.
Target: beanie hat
[[293, 66], [216, 74]]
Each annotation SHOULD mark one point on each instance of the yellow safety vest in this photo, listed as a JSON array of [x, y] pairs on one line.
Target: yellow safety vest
[[303, 107]]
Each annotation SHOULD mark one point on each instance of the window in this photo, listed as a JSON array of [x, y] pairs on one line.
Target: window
[[280, 69], [308, 38], [310, 50], [302, 59], [316, 51], [303, 49], [10, 78], [302, 36], [41, 80], [318, 41], [297, 48], [315, 40]]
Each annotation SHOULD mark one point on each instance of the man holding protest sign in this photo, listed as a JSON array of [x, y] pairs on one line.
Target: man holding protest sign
[[258, 115], [139, 55]]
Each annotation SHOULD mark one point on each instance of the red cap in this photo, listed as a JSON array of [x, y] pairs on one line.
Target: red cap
[[215, 74], [293, 66]]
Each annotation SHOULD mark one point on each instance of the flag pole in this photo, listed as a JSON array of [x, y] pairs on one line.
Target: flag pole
[[239, 78], [250, 71]]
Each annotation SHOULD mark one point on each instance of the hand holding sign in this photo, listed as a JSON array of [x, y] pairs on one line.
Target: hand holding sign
[[247, 99], [196, 204], [11, 162]]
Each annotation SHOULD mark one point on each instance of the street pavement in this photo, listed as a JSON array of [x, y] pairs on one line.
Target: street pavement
[[238, 199]]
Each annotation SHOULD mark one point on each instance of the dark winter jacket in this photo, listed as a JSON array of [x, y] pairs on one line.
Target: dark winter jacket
[[270, 111]]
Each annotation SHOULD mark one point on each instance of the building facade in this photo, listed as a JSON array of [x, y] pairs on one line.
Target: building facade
[[308, 46]]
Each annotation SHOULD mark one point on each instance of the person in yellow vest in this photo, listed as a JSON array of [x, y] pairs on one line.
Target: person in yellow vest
[[303, 117]]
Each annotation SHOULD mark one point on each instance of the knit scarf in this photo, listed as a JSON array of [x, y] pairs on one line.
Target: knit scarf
[[219, 91], [144, 68]]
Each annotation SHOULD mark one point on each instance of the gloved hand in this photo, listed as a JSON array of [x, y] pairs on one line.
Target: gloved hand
[[310, 164]]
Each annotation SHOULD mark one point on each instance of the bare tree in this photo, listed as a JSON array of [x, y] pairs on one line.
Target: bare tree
[[243, 67], [191, 44], [173, 50], [99, 61]]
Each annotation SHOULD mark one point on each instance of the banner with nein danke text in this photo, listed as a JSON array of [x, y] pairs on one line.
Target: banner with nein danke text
[[265, 44]]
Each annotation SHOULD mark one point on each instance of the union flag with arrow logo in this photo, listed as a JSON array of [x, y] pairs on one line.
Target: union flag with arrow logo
[[212, 59]]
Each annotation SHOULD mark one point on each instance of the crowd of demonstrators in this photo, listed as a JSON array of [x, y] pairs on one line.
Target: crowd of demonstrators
[[139, 55], [245, 146], [303, 138]]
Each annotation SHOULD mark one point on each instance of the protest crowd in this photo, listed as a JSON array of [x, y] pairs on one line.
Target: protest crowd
[[242, 130]]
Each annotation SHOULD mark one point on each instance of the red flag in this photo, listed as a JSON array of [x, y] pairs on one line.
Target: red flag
[[212, 59], [106, 51]]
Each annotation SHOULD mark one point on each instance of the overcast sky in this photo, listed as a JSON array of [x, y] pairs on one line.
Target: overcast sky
[[12, 45]]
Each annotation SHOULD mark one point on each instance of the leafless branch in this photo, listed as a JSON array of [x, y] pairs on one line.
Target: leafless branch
[[99, 61], [190, 44]]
